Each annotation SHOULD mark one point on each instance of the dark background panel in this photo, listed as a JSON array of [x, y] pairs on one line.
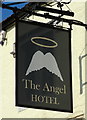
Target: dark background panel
[[62, 54]]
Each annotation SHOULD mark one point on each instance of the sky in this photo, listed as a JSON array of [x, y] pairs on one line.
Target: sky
[[5, 13]]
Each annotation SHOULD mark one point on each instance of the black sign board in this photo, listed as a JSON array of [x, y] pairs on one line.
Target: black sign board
[[43, 67]]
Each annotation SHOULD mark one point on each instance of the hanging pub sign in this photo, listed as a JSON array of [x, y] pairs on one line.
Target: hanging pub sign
[[43, 67]]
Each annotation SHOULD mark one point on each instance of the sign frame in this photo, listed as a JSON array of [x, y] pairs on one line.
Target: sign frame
[[70, 58]]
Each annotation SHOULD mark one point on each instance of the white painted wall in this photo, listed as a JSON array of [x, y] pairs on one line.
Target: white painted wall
[[86, 62]]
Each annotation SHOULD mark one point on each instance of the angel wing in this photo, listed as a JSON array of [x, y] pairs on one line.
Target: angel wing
[[39, 60]]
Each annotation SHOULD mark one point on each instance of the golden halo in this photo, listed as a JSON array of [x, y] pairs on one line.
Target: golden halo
[[41, 45]]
